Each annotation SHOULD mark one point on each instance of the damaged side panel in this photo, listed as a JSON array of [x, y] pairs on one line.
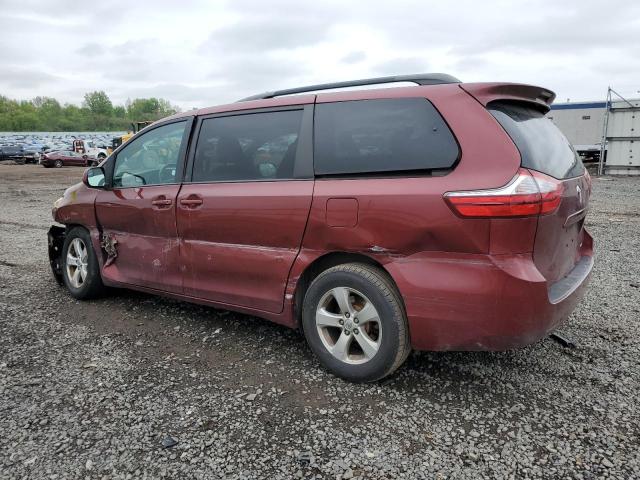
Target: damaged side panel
[[108, 243], [141, 260], [139, 239], [75, 207]]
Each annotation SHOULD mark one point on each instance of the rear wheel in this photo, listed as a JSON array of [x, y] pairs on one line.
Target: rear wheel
[[58, 163], [80, 268], [354, 322]]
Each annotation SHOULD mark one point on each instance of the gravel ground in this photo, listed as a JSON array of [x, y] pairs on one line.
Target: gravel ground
[[92, 389]]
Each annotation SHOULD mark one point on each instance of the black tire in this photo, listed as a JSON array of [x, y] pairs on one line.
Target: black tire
[[92, 286], [380, 290], [58, 164]]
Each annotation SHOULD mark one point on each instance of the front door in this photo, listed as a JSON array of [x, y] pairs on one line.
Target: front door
[[138, 214], [242, 217]]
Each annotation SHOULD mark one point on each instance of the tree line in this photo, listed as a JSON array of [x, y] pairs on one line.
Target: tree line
[[97, 113]]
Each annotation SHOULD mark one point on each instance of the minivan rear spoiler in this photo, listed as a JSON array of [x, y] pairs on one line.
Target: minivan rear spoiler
[[489, 92]]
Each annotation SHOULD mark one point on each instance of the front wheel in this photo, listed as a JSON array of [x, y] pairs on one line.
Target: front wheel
[[80, 268], [354, 321], [58, 164]]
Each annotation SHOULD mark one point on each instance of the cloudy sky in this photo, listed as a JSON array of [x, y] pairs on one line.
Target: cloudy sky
[[201, 53]]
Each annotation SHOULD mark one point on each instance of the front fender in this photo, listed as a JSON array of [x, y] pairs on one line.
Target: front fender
[[76, 207]]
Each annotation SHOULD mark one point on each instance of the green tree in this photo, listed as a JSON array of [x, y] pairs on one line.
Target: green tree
[[149, 109], [119, 112], [96, 113], [72, 119], [8, 109], [49, 112], [98, 103]]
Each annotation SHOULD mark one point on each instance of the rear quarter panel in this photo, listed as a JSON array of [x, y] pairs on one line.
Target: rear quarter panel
[[402, 220], [399, 216]]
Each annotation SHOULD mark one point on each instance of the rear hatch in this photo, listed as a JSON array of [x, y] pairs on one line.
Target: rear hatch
[[545, 149]]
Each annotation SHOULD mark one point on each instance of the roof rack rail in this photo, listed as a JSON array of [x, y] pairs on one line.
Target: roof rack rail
[[419, 79]]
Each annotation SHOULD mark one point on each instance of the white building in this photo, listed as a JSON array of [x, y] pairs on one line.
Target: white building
[[581, 122], [585, 122]]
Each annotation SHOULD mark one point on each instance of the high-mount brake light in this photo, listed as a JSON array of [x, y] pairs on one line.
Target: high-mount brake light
[[528, 193]]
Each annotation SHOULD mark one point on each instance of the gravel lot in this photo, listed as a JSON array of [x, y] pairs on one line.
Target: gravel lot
[[91, 390]]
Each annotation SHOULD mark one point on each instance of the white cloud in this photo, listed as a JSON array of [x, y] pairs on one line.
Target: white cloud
[[202, 53]]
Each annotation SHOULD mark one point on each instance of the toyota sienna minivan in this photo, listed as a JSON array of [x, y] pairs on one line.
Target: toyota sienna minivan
[[437, 216]]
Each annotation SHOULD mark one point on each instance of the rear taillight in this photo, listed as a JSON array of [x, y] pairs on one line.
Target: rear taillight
[[528, 193]]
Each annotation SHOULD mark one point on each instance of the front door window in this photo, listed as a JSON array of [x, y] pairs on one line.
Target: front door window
[[150, 159]]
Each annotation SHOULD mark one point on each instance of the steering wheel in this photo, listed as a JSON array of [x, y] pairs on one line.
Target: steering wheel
[[167, 173]]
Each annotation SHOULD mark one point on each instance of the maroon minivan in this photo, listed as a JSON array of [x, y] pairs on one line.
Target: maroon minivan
[[438, 216]]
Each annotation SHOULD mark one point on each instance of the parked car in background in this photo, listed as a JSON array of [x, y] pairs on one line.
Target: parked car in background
[[66, 158], [442, 216], [18, 154]]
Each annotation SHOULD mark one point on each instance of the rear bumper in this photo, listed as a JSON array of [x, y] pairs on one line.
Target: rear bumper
[[485, 302], [564, 288]]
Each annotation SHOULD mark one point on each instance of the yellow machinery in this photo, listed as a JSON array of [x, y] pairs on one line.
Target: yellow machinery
[[135, 128]]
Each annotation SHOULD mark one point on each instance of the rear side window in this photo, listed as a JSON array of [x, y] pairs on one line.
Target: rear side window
[[387, 135], [257, 146], [543, 147]]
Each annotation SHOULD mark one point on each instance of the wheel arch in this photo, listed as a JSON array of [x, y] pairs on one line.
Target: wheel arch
[[60, 231], [324, 262], [94, 233], [70, 226], [92, 284]]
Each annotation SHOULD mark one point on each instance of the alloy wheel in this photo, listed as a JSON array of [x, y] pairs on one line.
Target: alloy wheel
[[77, 262], [349, 325]]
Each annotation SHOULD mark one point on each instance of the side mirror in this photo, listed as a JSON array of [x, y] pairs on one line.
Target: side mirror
[[94, 177]]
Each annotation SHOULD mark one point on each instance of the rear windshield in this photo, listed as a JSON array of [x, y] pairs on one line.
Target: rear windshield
[[542, 145]]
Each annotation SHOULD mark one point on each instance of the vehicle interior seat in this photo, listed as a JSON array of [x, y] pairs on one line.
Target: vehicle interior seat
[[285, 169]]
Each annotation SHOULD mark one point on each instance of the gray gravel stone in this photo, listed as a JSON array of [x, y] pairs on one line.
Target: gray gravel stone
[[98, 384]]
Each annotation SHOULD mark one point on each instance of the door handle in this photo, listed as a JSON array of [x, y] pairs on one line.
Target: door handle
[[161, 202], [191, 202]]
